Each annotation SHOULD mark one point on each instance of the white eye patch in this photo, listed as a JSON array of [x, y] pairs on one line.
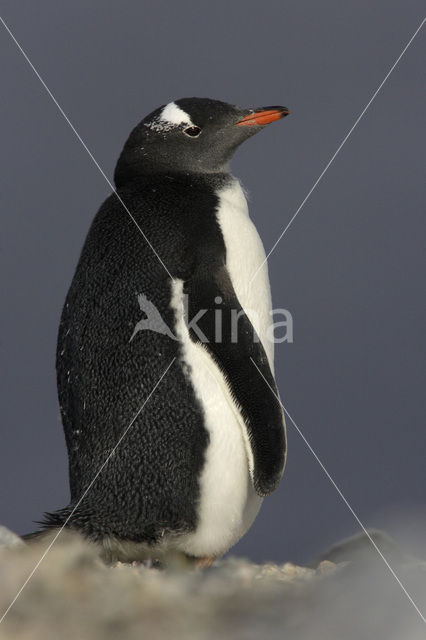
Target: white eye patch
[[175, 115], [170, 117]]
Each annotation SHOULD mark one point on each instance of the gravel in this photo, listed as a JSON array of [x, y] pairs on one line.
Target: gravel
[[73, 594]]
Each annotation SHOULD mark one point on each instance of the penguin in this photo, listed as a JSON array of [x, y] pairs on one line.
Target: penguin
[[163, 330]]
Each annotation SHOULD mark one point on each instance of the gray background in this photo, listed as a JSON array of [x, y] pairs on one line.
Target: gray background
[[350, 269]]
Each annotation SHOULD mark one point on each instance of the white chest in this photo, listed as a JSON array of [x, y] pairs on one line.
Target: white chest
[[244, 254]]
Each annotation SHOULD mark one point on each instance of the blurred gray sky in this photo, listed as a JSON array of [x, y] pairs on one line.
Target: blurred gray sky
[[350, 269]]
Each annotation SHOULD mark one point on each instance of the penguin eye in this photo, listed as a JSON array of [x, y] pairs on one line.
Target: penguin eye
[[193, 132]]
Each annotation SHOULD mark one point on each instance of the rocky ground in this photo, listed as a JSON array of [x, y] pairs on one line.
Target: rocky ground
[[73, 594]]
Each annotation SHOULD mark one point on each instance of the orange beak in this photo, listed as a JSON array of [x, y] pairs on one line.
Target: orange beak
[[263, 116]]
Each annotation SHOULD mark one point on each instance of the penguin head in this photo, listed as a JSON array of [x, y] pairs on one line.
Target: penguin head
[[190, 135]]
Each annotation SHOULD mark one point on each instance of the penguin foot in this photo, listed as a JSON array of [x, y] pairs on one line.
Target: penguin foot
[[204, 562]]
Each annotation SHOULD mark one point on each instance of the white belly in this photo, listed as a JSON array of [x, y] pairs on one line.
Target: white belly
[[228, 503]]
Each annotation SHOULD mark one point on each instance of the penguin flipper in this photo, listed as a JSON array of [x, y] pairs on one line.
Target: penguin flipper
[[235, 351]]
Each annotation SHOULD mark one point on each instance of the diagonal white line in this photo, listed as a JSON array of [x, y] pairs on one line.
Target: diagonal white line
[[342, 497], [123, 435], [333, 157], [92, 157]]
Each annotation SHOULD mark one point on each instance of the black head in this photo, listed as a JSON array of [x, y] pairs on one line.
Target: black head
[[190, 135]]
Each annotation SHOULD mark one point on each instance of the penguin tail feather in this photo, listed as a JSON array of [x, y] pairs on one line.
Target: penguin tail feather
[[54, 520]]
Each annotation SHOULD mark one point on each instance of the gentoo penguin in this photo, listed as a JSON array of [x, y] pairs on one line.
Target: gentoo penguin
[[174, 242]]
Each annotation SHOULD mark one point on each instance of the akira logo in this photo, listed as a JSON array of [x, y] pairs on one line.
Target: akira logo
[[279, 330]]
